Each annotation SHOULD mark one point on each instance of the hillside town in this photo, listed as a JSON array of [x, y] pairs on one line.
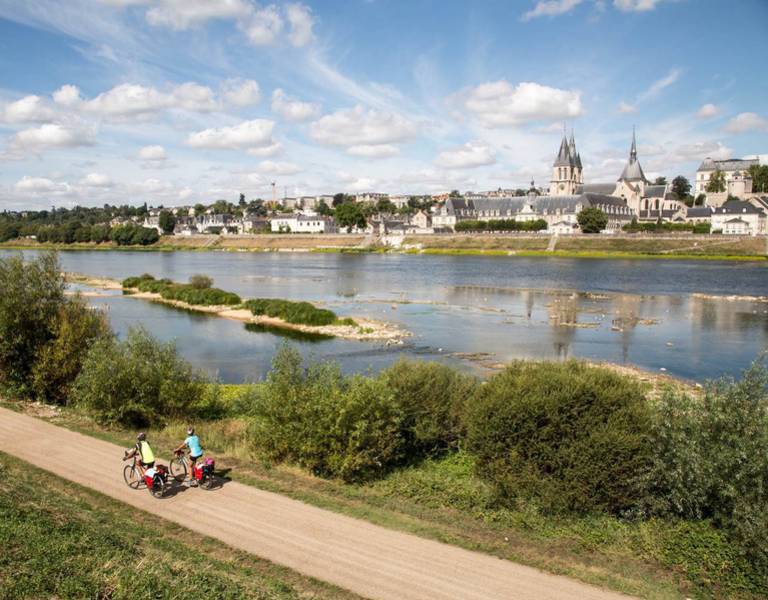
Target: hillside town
[[725, 199]]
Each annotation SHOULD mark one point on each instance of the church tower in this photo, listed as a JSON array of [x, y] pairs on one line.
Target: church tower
[[567, 170], [631, 184]]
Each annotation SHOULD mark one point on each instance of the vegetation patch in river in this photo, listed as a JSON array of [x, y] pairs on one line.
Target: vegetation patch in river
[[198, 292], [292, 334]]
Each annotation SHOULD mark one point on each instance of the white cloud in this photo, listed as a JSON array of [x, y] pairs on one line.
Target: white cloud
[[40, 185], [152, 154], [183, 14], [550, 8], [499, 104], [747, 122], [279, 168], [30, 109], [194, 97], [360, 127], [265, 151], [657, 86], [52, 136], [636, 5], [301, 20], [263, 26], [249, 134], [291, 109], [96, 180], [353, 183], [625, 108], [470, 155], [241, 92], [708, 111], [67, 95], [374, 151]]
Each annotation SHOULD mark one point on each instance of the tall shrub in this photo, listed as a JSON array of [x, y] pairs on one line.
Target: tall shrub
[[566, 436], [138, 382]]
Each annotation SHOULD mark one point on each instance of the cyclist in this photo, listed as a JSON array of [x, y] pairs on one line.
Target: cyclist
[[195, 452], [144, 451]]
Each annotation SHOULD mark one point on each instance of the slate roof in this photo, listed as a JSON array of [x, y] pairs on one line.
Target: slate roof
[[633, 171], [655, 191], [735, 207], [596, 188], [698, 212], [732, 164]]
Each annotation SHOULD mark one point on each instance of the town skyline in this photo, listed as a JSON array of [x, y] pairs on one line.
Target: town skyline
[[173, 103]]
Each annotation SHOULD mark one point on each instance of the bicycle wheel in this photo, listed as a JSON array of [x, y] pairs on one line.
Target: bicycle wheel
[[207, 482], [158, 488], [178, 468], [131, 476]]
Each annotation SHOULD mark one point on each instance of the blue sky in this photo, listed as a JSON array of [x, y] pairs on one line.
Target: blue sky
[[179, 101]]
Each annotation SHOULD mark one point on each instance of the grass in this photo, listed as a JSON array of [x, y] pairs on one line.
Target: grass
[[442, 500], [61, 540], [182, 292]]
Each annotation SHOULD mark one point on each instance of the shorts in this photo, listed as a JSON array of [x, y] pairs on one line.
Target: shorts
[[194, 459], [148, 465]]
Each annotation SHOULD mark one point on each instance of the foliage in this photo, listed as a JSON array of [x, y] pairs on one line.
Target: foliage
[[332, 425], [167, 221], [201, 282], [663, 227], [183, 292], [681, 187], [30, 305], [350, 215], [301, 313], [716, 183], [567, 437], [711, 459], [59, 362], [131, 234], [759, 175], [501, 225], [592, 220], [138, 382], [660, 181], [433, 399]]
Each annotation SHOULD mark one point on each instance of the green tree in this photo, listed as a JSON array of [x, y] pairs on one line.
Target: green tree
[[681, 187], [759, 175], [592, 220], [199, 209], [384, 205], [660, 181], [167, 221], [349, 215], [324, 209], [455, 194], [716, 183], [242, 203]]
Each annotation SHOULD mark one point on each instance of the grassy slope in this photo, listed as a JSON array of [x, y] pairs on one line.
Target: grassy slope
[[443, 500], [65, 541]]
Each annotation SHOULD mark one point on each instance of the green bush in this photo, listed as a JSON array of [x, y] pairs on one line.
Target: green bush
[[192, 293], [59, 362], [201, 282], [433, 399], [329, 424], [131, 234], [301, 313], [138, 382], [566, 436]]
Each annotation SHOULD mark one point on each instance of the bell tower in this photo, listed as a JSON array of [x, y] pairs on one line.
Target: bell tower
[[567, 169]]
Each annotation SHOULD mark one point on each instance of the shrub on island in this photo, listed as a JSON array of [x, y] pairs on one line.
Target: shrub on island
[[299, 313], [192, 293]]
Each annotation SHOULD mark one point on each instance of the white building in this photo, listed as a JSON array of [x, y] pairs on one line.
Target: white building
[[371, 197], [739, 218], [737, 179], [302, 223]]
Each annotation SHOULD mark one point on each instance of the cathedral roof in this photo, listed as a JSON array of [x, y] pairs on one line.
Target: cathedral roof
[[732, 164], [564, 155], [633, 171]]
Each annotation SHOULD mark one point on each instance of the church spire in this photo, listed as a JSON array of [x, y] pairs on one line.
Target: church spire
[[633, 150]]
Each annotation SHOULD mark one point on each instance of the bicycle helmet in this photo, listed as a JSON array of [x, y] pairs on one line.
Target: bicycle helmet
[[141, 437], [190, 430]]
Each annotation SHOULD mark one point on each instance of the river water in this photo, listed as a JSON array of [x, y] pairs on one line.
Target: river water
[[475, 312]]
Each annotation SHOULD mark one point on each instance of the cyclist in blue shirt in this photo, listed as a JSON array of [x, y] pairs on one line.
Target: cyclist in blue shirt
[[192, 442]]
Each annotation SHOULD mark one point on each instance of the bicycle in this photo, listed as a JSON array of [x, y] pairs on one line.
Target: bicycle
[[154, 479], [203, 474], [133, 478]]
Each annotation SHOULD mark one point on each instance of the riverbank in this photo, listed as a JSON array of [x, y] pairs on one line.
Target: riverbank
[[359, 328], [622, 246]]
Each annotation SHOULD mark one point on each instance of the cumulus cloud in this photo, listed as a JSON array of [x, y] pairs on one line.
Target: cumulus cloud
[[374, 151], [67, 95], [278, 168], [263, 26], [30, 109], [272, 149], [249, 134], [152, 154], [626, 108], [500, 104], [52, 136], [292, 109], [470, 155], [241, 92], [96, 180], [194, 97], [550, 8], [747, 122], [707, 111], [360, 127], [301, 21], [40, 185], [183, 14]]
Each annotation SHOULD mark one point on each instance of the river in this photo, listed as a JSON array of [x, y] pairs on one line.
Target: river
[[475, 312]]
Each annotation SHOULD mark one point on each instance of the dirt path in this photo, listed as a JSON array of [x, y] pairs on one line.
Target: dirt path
[[364, 558]]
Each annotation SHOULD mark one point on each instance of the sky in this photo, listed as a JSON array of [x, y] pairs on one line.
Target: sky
[[175, 102]]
